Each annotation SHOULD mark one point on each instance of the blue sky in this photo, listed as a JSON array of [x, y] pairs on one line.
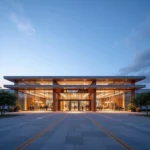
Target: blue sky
[[74, 37]]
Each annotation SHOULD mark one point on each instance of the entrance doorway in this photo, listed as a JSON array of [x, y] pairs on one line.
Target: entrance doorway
[[74, 105]]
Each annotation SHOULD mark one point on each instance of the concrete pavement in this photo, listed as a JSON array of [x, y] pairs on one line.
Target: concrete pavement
[[75, 131]]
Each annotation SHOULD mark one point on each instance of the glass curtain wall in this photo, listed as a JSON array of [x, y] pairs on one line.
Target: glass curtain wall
[[110, 99], [37, 99]]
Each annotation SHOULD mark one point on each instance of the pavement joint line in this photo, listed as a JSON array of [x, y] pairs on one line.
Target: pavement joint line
[[40, 134], [109, 134]]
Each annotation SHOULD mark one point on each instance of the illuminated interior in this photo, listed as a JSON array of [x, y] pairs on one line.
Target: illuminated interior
[[110, 99], [66, 82], [105, 99], [74, 93], [37, 99]]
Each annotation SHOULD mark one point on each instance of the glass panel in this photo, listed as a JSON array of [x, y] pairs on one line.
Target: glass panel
[[110, 99], [74, 105], [49, 99], [64, 105], [84, 105], [37, 99]]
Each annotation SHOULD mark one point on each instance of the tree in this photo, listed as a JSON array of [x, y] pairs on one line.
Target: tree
[[143, 99], [6, 98]]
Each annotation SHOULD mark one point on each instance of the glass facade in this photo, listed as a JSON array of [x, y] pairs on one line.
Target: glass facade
[[74, 93], [110, 99], [37, 99], [105, 100]]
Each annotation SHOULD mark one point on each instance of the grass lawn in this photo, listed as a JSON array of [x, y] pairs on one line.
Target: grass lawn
[[9, 115]]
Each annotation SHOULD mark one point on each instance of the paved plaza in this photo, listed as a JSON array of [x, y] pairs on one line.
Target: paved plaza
[[75, 131]]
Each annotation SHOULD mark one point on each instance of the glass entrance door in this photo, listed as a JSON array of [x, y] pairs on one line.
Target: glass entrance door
[[84, 105], [74, 106], [64, 105]]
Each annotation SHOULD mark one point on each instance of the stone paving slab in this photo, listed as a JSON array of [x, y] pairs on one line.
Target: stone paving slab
[[78, 133]]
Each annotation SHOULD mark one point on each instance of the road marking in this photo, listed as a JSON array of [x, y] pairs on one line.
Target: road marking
[[40, 134], [43, 116], [109, 134]]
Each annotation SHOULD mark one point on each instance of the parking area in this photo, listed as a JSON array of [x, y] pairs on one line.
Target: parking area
[[75, 131]]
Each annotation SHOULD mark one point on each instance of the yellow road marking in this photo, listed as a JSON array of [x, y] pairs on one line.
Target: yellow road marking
[[109, 134], [39, 134]]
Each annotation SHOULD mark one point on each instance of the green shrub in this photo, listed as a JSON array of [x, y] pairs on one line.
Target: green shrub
[[17, 107], [131, 107]]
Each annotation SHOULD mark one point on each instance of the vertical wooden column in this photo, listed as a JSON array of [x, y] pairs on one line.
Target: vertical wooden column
[[25, 101], [54, 100], [93, 100], [123, 100], [55, 97]]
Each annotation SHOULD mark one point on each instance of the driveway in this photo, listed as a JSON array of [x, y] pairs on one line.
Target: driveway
[[75, 131]]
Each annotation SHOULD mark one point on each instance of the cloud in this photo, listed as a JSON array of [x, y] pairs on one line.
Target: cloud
[[18, 17], [139, 41], [140, 64], [23, 24]]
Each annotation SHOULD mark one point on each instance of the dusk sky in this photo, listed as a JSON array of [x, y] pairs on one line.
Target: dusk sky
[[74, 37]]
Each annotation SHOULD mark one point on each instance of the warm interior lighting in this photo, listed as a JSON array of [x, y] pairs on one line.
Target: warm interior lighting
[[86, 95], [39, 102]]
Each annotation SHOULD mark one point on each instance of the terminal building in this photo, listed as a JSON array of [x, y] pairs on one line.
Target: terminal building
[[74, 93]]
